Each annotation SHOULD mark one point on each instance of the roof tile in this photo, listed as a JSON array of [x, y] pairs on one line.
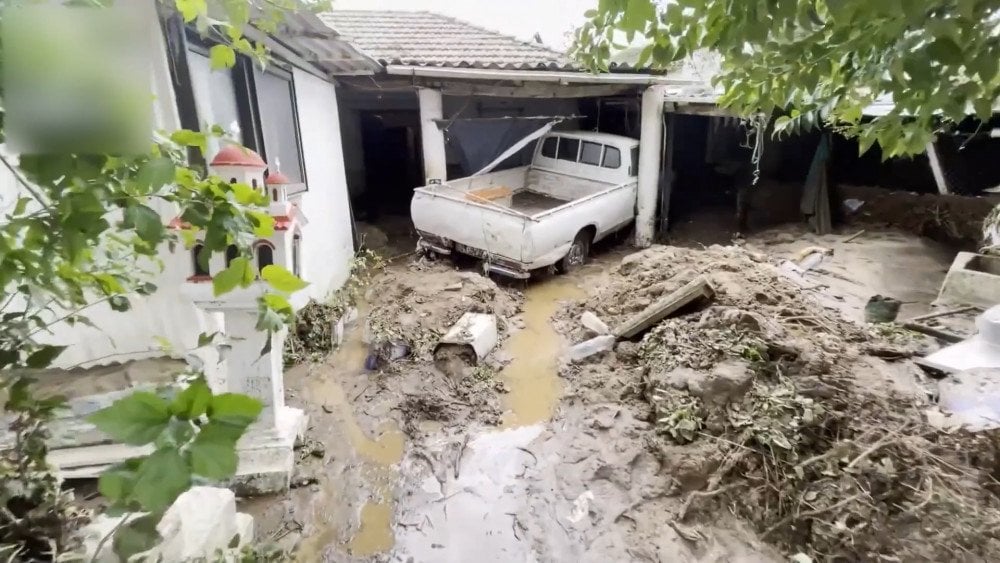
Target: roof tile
[[429, 39]]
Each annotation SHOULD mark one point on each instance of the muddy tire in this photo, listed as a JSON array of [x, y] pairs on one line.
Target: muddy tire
[[577, 255]]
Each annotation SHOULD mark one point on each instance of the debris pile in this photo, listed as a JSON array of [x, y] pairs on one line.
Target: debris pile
[[418, 310], [775, 395]]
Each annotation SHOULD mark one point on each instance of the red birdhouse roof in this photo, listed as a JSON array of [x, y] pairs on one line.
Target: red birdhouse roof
[[276, 178], [235, 155]]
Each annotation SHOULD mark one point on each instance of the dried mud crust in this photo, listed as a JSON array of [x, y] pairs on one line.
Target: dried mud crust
[[769, 405], [418, 308]]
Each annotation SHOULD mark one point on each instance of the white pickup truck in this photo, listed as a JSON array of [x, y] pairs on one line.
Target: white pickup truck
[[579, 188]]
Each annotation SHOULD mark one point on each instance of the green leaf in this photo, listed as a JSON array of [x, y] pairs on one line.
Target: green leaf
[[193, 401], [161, 478], [188, 138], [213, 452], [263, 223], [945, 51], [44, 356], [281, 279], [191, 9], [235, 275], [156, 173], [135, 420], [136, 536], [222, 57], [116, 482], [206, 339], [234, 409]]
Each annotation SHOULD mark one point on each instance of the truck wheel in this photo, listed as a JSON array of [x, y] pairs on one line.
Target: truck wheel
[[577, 254]]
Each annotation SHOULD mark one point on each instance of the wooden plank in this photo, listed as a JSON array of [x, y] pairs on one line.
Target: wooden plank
[[935, 332], [947, 313], [695, 290]]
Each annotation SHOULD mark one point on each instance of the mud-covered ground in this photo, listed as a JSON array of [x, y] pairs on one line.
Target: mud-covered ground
[[767, 422]]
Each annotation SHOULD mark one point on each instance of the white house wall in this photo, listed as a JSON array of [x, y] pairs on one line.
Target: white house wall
[[327, 242], [168, 315]]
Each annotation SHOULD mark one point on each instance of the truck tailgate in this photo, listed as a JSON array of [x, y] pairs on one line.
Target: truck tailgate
[[496, 230]]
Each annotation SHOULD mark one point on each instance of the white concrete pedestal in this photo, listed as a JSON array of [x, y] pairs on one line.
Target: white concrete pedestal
[[266, 450], [267, 457]]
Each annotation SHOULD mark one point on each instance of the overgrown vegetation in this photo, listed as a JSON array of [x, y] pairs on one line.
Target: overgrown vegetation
[[310, 338], [812, 62]]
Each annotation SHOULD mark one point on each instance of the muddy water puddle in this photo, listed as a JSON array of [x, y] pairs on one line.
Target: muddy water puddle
[[532, 376], [377, 463]]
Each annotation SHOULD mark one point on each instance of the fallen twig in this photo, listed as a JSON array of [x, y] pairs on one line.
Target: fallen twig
[[811, 513]]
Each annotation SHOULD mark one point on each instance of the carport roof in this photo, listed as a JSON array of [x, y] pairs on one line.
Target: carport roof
[[426, 39]]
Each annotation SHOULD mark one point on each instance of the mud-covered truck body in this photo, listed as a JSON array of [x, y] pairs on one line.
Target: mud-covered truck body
[[579, 188]]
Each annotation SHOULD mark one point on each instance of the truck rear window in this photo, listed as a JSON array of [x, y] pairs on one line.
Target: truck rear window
[[612, 158], [568, 149], [591, 153], [549, 147]]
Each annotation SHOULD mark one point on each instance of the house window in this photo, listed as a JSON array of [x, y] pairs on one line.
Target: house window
[[232, 253], [265, 255], [612, 157], [549, 147], [569, 149], [295, 254], [279, 123], [591, 153], [257, 107], [199, 268]]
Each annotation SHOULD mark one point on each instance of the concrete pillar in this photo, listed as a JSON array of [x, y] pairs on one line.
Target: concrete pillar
[[650, 148], [432, 138]]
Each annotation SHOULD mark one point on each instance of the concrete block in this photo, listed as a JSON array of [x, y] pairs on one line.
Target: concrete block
[[973, 279], [267, 456], [200, 522]]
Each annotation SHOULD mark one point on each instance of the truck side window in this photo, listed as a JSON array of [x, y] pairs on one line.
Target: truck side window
[[569, 149], [612, 158], [549, 147], [591, 153]]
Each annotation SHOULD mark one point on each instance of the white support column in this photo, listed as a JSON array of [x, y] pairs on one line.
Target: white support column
[[432, 138], [936, 169], [650, 146]]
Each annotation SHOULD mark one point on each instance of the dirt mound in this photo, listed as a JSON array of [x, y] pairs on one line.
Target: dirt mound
[[770, 396], [419, 309]]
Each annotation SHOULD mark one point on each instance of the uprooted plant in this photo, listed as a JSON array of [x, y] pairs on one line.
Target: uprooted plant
[[310, 338], [848, 476]]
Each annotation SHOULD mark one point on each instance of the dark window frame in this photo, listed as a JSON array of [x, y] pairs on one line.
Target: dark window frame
[[182, 38]]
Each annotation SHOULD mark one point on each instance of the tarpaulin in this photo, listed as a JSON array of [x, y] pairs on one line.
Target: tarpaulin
[[480, 142]]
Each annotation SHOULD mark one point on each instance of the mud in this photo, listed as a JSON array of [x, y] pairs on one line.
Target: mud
[[528, 458]]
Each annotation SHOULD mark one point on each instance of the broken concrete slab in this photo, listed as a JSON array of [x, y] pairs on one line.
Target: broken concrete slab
[[474, 331], [594, 324], [591, 347], [980, 351], [972, 397], [698, 289], [973, 279], [198, 526]]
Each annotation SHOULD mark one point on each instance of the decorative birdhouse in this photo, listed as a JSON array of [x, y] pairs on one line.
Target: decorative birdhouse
[[239, 164], [277, 187]]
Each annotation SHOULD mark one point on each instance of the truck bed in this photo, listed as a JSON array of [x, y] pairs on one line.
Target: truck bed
[[531, 202]]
